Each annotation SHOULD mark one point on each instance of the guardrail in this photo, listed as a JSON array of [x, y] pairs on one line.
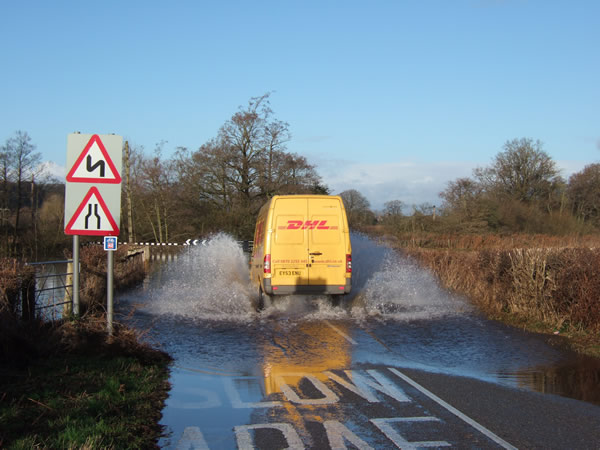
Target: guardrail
[[50, 297], [52, 292], [246, 245]]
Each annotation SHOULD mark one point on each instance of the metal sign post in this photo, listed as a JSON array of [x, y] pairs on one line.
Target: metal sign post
[[110, 246], [109, 292], [76, 276]]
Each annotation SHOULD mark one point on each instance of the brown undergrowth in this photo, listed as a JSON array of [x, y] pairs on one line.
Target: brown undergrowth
[[551, 288], [27, 339], [128, 271]]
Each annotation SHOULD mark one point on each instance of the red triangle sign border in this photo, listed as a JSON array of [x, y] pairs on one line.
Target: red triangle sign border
[[115, 228], [72, 179]]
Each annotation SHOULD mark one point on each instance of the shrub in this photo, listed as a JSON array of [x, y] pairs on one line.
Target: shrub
[[128, 271], [554, 285]]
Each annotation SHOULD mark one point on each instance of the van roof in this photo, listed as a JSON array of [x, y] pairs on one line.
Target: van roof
[[304, 196]]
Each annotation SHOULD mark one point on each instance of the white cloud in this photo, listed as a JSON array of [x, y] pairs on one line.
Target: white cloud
[[50, 168], [568, 168], [409, 181]]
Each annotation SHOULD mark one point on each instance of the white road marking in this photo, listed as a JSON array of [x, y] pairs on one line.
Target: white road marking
[[398, 440], [212, 399], [236, 400], [337, 432], [245, 440], [291, 395], [364, 393], [387, 387], [365, 386], [453, 410], [341, 333], [192, 439]]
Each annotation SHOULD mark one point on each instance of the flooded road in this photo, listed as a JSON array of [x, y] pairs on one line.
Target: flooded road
[[303, 373]]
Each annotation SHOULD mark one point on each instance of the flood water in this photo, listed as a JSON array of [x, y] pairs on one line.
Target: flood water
[[199, 308]]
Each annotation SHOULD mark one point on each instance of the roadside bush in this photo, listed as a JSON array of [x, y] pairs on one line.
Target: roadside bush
[[577, 292], [22, 337], [128, 271], [557, 286], [15, 277], [489, 241]]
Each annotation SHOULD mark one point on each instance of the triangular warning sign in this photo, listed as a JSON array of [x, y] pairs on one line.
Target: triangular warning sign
[[92, 218], [94, 165]]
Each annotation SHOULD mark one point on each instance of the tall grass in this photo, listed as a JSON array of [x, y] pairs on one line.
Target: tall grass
[[558, 286]]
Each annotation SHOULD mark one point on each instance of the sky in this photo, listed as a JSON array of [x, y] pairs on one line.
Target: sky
[[391, 98]]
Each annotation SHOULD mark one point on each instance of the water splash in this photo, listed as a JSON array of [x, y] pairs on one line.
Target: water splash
[[393, 286], [209, 282]]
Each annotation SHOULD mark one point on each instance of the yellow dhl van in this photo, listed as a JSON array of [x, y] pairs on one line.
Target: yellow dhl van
[[301, 246]]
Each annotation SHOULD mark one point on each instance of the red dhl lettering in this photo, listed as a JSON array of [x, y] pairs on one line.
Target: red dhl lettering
[[309, 224]]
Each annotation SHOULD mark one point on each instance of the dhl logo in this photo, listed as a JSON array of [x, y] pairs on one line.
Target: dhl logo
[[309, 224]]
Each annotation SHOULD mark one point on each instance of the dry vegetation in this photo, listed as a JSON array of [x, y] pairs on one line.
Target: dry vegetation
[[490, 241], [546, 282], [22, 336], [128, 272]]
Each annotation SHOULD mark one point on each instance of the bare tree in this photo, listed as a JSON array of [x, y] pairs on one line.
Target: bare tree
[[276, 136], [522, 171], [6, 158], [461, 197], [159, 186], [584, 194], [23, 163], [244, 142], [290, 174], [357, 208]]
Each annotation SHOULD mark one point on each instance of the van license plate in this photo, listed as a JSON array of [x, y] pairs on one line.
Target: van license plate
[[289, 273]]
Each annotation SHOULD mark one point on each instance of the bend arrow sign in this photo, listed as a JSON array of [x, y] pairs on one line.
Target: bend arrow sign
[[94, 165]]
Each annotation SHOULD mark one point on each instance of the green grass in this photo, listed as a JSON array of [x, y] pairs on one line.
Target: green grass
[[75, 401]]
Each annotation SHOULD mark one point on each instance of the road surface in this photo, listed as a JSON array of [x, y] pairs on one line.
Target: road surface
[[400, 364]]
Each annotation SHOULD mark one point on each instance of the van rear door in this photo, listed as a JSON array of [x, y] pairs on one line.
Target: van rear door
[[289, 256], [326, 242]]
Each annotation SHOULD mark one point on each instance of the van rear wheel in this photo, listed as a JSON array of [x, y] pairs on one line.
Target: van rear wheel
[[335, 300], [264, 300]]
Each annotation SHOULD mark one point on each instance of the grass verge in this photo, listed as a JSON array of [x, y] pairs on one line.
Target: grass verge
[[96, 393]]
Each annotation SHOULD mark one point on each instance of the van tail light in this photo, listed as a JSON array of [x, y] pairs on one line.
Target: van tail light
[[267, 264], [348, 263]]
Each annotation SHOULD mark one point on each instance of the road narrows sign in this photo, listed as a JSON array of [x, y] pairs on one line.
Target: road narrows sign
[[92, 217], [94, 165]]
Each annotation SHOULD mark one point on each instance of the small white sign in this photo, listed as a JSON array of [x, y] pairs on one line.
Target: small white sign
[[110, 243]]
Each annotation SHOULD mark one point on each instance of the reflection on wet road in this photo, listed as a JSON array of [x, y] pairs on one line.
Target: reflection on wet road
[[304, 373]]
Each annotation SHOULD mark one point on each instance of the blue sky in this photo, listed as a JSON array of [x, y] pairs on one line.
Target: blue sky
[[393, 98]]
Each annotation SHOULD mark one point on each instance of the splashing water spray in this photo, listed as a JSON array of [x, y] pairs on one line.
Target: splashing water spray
[[211, 282]]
